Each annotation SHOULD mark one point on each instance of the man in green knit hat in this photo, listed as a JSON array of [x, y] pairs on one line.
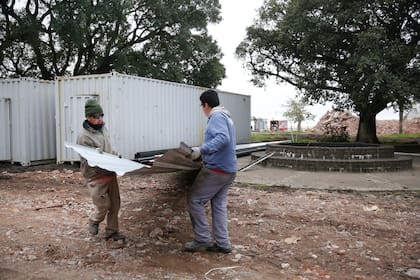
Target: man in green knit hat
[[102, 184]]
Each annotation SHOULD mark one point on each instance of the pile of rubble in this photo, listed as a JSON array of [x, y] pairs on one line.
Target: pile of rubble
[[351, 122]]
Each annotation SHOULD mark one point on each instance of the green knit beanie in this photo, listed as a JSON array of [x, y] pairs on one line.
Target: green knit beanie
[[92, 107]]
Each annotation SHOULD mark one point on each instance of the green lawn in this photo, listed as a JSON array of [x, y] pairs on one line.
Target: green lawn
[[311, 137]]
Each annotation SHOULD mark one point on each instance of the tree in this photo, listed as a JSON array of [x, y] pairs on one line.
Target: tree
[[360, 55], [297, 113], [404, 106], [157, 39]]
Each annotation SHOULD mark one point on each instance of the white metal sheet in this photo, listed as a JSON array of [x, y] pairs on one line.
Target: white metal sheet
[[104, 160]]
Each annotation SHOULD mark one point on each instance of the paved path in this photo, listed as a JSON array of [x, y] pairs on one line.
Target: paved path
[[378, 181]]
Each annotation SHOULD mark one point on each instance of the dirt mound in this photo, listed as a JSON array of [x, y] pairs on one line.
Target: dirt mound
[[346, 118]]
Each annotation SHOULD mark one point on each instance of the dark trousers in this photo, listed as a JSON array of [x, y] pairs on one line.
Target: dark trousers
[[210, 186]]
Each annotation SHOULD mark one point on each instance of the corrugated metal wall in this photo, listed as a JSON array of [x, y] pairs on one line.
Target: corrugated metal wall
[[5, 136], [142, 114], [153, 115], [31, 106]]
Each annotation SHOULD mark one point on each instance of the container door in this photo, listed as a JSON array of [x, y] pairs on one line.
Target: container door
[[5, 130], [74, 116]]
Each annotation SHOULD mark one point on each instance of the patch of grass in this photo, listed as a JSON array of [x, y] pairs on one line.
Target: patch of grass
[[398, 139], [282, 135], [395, 135], [304, 140], [304, 137], [269, 136]]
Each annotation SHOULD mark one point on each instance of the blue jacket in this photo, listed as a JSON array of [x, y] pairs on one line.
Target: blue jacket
[[219, 148]]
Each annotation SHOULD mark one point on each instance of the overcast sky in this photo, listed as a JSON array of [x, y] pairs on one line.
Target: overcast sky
[[268, 102]]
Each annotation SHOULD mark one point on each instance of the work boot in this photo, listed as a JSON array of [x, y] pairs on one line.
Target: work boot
[[116, 236], [195, 246], [93, 228], [216, 248]]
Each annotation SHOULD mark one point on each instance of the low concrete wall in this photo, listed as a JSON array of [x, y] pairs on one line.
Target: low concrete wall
[[334, 157], [382, 165], [328, 151]]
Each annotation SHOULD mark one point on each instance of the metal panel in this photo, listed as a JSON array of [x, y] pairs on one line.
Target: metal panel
[[159, 115], [32, 119], [5, 137], [72, 93], [144, 114], [239, 107], [74, 112]]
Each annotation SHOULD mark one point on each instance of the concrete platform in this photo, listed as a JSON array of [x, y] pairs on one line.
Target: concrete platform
[[378, 181]]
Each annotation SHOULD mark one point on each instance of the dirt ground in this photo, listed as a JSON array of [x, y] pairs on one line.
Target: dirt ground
[[276, 232]]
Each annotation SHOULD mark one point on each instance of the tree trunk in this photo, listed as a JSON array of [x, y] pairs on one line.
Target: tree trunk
[[299, 127], [367, 128], [401, 119]]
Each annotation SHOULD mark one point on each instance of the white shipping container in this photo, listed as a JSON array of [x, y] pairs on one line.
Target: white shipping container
[[27, 120], [141, 114]]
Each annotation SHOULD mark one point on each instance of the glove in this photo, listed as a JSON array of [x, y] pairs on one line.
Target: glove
[[119, 155], [195, 154], [100, 150]]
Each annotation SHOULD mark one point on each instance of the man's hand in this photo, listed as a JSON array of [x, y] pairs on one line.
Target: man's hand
[[195, 154]]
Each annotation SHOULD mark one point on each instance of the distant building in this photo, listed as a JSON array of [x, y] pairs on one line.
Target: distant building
[[259, 125], [278, 125]]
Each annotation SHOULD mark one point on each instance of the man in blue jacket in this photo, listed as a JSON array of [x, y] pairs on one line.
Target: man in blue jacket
[[218, 153]]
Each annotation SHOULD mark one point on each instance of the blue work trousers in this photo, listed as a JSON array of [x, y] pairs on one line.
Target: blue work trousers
[[210, 186]]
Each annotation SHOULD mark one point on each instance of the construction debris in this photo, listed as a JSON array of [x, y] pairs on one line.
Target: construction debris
[[351, 122]]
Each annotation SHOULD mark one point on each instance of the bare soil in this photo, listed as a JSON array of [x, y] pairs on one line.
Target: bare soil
[[277, 232]]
